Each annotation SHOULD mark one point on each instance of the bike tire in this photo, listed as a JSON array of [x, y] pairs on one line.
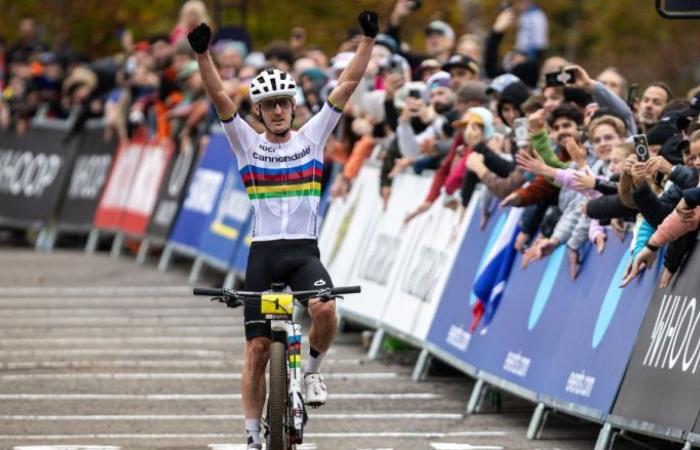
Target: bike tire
[[277, 400]]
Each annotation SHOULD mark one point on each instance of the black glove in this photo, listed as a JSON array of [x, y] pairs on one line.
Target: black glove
[[199, 38], [369, 21]]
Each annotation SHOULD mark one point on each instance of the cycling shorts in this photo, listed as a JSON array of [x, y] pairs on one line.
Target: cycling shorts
[[294, 262]]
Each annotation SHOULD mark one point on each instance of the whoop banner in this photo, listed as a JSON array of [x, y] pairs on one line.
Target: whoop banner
[[88, 178], [662, 382], [34, 169]]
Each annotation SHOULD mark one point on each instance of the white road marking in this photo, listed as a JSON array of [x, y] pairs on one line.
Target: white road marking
[[448, 446], [96, 291], [210, 417], [140, 364], [391, 434], [179, 376], [127, 364], [133, 340], [148, 352], [67, 447], [309, 446], [193, 397]]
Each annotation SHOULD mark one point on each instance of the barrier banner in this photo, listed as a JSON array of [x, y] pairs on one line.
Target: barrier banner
[[34, 169], [88, 179], [203, 192], [172, 189], [223, 230], [449, 330], [116, 193], [145, 186], [381, 260], [348, 222], [599, 333], [225, 222], [662, 382], [413, 300]]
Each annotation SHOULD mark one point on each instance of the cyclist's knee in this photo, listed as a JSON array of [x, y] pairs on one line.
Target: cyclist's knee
[[322, 312], [258, 350]]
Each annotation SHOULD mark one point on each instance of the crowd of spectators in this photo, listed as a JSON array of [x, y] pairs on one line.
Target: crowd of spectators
[[538, 131]]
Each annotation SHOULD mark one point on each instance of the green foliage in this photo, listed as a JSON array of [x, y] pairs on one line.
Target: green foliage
[[628, 34]]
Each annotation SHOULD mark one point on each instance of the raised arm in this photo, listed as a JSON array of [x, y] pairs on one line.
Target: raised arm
[[199, 41], [357, 66]]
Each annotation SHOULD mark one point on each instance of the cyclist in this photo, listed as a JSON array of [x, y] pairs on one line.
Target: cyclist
[[281, 169]]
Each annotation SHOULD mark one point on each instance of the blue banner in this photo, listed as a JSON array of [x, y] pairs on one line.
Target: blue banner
[[599, 334], [203, 193], [561, 339], [224, 225]]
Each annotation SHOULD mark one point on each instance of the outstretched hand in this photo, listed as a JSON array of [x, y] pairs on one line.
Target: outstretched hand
[[369, 22], [199, 38]]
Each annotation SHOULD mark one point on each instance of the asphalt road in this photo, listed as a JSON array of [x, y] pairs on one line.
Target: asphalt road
[[96, 351]]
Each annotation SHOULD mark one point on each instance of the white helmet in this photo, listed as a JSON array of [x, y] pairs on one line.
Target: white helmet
[[272, 83]]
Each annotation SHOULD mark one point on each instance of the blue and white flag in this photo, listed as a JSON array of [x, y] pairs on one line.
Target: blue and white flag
[[491, 280]]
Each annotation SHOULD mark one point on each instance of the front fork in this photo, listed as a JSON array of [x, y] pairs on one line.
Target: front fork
[[297, 413]]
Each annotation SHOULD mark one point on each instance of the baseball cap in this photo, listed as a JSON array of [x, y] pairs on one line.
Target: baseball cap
[[501, 82], [479, 115], [438, 26], [463, 61], [387, 41], [694, 109], [473, 91], [663, 130]]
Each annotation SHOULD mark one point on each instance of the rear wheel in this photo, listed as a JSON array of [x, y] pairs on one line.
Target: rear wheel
[[277, 400]]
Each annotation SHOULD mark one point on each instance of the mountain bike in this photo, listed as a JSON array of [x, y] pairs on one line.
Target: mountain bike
[[286, 412]]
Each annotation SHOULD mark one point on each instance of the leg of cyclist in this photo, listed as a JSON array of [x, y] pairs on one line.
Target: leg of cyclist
[[253, 387], [259, 277], [309, 273]]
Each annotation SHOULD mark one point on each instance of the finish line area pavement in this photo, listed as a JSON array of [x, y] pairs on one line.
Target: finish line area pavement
[[101, 353]]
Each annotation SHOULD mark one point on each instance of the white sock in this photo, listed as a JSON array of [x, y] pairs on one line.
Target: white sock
[[313, 364], [252, 428]]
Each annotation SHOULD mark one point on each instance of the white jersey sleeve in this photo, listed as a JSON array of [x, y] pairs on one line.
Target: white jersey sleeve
[[240, 135], [321, 125]]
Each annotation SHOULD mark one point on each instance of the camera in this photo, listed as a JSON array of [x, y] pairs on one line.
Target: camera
[[560, 77], [414, 93], [641, 147]]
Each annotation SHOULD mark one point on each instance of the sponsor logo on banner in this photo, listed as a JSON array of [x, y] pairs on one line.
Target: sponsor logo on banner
[[580, 384], [89, 175], [117, 192], [425, 270], [178, 175], [203, 191], [674, 343], [516, 364], [380, 258], [165, 212], [458, 338], [147, 181], [27, 173]]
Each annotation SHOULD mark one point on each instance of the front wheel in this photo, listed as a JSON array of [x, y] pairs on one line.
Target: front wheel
[[277, 400]]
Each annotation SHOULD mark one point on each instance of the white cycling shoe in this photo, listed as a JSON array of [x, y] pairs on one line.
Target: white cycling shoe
[[316, 394]]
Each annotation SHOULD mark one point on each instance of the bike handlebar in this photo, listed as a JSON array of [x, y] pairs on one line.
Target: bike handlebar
[[234, 298], [208, 291]]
